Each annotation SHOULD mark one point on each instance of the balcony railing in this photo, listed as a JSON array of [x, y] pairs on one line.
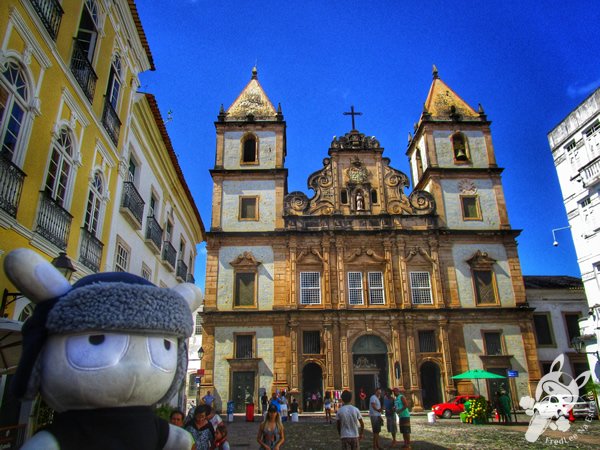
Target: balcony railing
[[590, 174], [11, 185], [91, 250], [53, 222], [50, 13], [169, 254], [111, 122], [190, 278], [181, 271], [83, 71], [132, 204], [153, 234]]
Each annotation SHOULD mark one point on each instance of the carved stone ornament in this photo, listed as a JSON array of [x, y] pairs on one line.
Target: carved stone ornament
[[296, 203], [362, 362], [481, 260], [369, 253], [467, 187], [355, 141], [245, 261], [357, 173]]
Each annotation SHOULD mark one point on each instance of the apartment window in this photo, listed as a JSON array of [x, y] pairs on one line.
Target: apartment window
[[355, 288], [572, 323], [249, 149], [311, 342], [244, 346], [181, 248], [13, 105], [376, 291], [132, 170], [146, 272], [248, 208], [427, 341], [152, 206], [310, 288], [88, 29], [420, 288], [470, 207], [60, 167], [493, 343], [198, 330], [245, 288], [459, 147], [94, 203], [590, 215], [114, 82], [168, 231], [122, 257], [543, 329]]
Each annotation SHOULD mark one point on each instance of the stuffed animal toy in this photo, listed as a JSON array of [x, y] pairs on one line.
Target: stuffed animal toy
[[101, 353]]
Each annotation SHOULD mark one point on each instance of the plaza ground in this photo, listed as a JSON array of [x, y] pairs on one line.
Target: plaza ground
[[312, 433]]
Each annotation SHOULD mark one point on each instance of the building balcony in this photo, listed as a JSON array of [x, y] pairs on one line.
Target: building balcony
[[11, 185], [169, 255], [190, 278], [83, 71], [90, 253], [50, 13], [590, 173], [153, 234], [111, 122], [181, 271], [53, 221], [132, 205]]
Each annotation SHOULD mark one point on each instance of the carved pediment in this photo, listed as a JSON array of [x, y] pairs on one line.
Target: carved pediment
[[364, 255], [481, 260], [322, 203], [355, 141], [245, 261], [419, 253], [309, 256]]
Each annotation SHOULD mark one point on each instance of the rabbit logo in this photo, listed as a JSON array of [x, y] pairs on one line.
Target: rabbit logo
[[557, 385]]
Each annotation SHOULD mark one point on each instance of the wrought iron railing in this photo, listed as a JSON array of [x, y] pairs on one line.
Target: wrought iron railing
[[111, 122], [190, 278], [83, 71], [132, 201], [181, 271], [154, 232], [91, 250], [50, 13], [53, 222], [169, 254], [11, 185]]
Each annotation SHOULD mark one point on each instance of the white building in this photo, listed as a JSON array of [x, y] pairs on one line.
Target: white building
[[575, 145]]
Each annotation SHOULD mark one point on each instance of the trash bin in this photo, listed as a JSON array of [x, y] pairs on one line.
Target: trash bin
[[249, 412], [431, 417], [230, 410], [294, 417]]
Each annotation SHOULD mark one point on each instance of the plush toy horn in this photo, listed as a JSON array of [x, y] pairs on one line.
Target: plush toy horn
[[191, 293], [35, 277]]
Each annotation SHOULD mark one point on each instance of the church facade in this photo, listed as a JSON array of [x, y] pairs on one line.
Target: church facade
[[362, 285]]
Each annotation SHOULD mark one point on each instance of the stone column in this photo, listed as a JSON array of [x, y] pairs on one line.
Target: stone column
[[346, 356], [447, 358], [413, 371], [329, 366], [326, 289], [339, 248], [293, 326]]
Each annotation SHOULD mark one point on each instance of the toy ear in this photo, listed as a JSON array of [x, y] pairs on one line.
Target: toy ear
[[560, 359], [35, 277], [586, 376], [191, 293]]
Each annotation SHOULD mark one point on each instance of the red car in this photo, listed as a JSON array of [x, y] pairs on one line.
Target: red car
[[453, 406]]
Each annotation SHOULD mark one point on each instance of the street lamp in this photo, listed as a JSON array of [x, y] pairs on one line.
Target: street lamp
[[580, 344], [200, 353], [555, 242]]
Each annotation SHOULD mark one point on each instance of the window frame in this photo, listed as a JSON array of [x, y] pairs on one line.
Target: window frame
[[372, 289], [256, 217], [240, 272], [420, 288], [121, 243], [435, 342], [566, 324], [310, 288], [115, 82], [365, 289], [467, 159], [481, 262], [236, 344], [198, 325], [475, 197], [65, 158], [485, 333], [548, 317], [359, 289], [304, 333], [16, 95], [97, 199], [246, 137]]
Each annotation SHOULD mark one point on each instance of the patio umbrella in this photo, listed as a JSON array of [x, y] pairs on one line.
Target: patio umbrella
[[477, 374], [10, 345]]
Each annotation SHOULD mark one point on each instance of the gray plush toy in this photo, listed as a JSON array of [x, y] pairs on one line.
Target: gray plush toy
[[101, 353]]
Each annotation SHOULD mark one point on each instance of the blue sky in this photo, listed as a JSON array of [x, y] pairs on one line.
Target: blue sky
[[529, 63]]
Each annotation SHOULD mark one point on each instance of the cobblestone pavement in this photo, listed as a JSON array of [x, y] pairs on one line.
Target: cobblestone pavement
[[312, 433]]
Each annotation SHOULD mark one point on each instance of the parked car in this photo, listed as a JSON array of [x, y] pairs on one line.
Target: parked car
[[455, 405], [554, 406]]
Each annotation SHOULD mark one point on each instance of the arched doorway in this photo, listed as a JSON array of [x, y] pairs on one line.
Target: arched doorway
[[312, 387], [430, 384], [369, 365]]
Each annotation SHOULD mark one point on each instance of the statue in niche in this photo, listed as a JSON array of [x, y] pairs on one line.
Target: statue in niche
[[360, 201]]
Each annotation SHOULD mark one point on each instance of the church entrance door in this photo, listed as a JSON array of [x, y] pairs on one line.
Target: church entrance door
[[369, 365], [243, 389], [430, 384], [312, 387]]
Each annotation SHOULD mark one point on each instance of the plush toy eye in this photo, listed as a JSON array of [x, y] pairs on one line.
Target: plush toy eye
[[163, 353], [96, 351]]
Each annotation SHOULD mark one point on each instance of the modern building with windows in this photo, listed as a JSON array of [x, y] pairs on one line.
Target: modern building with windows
[[575, 145], [361, 285]]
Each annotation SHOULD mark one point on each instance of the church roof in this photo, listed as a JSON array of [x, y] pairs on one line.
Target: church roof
[[443, 103], [552, 282], [252, 102]]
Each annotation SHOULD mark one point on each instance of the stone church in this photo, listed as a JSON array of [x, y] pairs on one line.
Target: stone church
[[360, 284]]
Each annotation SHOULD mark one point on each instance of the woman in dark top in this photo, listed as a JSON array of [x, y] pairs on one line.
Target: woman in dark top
[[201, 429]]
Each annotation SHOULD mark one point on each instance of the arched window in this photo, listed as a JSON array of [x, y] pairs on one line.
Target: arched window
[[13, 104], [114, 82], [459, 146], [94, 204], [249, 150], [60, 168]]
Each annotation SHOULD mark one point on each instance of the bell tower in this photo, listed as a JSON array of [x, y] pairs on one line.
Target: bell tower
[[451, 156]]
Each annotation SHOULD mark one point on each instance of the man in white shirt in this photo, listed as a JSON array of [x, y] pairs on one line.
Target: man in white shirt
[[348, 420], [375, 416]]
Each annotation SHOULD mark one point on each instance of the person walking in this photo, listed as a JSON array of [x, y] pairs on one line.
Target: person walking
[[350, 425], [375, 416], [404, 414], [271, 435], [390, 415], [363, 399], [504, 403], [327, 405], [264, 403]]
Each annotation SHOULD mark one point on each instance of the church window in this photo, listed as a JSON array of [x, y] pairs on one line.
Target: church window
[[459, 147], [427, 341], [493, 343], [355, 288], [248, 208], [13, 106], [198, 331], [59, 170], [249, 149], [374, 196], [376, 291], [470, 207], [374, 284], [419, 161], [344, 197], [572, 323], [311, 342], [310, 288], [543, 330], [244, 346], [420, 288], [245, 288], [485, 291]]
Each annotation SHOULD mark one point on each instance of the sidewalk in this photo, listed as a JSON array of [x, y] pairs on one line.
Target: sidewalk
[[312, 433]]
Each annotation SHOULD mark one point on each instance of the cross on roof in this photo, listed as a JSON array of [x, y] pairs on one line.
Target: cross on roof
[[352, 113]]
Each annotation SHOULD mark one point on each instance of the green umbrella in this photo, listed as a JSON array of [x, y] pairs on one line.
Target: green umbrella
[[477, 374]]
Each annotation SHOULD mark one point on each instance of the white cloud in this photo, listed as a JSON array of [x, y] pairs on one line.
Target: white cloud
[[578, 90]]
